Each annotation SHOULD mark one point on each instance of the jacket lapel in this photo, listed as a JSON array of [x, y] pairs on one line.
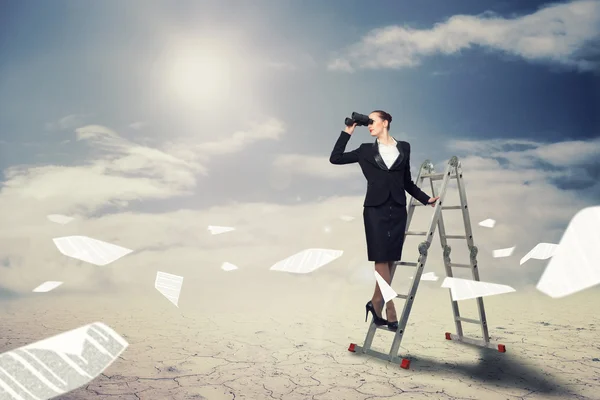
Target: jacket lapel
[[400, 155], [379, 159], [377, 156]]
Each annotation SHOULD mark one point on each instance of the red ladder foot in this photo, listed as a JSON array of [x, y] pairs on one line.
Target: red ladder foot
[[352, 346], [405, 363], [448, 336], [502, 348]]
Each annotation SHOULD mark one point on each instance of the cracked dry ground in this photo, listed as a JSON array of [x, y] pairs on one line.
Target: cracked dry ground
[[175, 354]]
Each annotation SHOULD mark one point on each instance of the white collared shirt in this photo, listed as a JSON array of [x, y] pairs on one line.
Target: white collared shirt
[[389, 153]]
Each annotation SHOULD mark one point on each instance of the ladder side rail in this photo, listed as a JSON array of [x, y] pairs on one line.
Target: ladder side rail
[[370, 336], [403, 320], [473, 249], [446, 249]]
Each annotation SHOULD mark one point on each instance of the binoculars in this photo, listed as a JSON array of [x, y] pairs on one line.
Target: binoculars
[[359, 119]]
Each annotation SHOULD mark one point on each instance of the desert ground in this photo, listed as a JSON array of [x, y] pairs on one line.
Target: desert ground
[[276, 335]]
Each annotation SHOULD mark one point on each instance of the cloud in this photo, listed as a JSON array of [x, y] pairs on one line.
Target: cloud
[[101, 135], [138, 125], [492, 145], [569, 165], [119, 172], [569, 153], [270, 129], [561, 33], [528, 153], [311, 166], [68, 122]]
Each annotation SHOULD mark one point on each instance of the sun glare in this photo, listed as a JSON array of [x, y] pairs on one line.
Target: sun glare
[[199, 77]]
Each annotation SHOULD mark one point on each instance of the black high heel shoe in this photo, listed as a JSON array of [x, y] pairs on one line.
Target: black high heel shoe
[[376, 320], [393, 326]]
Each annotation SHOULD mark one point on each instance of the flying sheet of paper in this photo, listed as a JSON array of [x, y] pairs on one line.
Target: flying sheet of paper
[[541, 251], [90, 250], [59, 364], [228, 267], [307, 261], [59, 219], [46, 287], [386, 290], [169, 285], [488, 223], [463, 289], [503, 252], [428, 276], [575, 266], [216, 230]]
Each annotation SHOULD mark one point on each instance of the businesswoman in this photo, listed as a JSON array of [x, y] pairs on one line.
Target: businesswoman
[[386, 165]]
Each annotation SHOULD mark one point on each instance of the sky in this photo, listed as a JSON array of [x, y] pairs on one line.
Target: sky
[[147, 121]]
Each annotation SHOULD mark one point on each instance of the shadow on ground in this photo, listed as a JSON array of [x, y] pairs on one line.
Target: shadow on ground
[[501, 369]]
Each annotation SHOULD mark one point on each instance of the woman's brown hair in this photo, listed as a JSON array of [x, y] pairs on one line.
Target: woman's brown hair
[[385, 116]]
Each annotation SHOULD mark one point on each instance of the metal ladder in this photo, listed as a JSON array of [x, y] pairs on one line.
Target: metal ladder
[[453, 171]]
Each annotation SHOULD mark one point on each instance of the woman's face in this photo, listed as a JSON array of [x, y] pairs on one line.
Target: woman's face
[[376, 128]]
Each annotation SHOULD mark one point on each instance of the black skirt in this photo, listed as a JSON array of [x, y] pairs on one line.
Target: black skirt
[[384, 230]]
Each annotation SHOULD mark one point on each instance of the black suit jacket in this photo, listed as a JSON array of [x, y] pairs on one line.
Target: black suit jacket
[[381, 181]]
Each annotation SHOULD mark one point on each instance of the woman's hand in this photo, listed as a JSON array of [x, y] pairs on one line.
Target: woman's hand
[[432, 200], [350, 129]]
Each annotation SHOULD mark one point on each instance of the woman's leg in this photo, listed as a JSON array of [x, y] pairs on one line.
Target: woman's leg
[[382, 269], [390, 310]]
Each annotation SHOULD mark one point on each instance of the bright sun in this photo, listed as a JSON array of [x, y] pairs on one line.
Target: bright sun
[[199, 77]]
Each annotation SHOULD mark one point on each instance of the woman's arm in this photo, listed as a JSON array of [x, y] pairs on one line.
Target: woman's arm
[[410, 186], [338, 156]]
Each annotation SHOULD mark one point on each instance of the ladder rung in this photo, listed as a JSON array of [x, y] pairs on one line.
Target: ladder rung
[[417, 204], [460, 265], [472, 321], [416, 233], [402, 296], [407, 263], [456, 237], [437, 177], [477, 342]]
